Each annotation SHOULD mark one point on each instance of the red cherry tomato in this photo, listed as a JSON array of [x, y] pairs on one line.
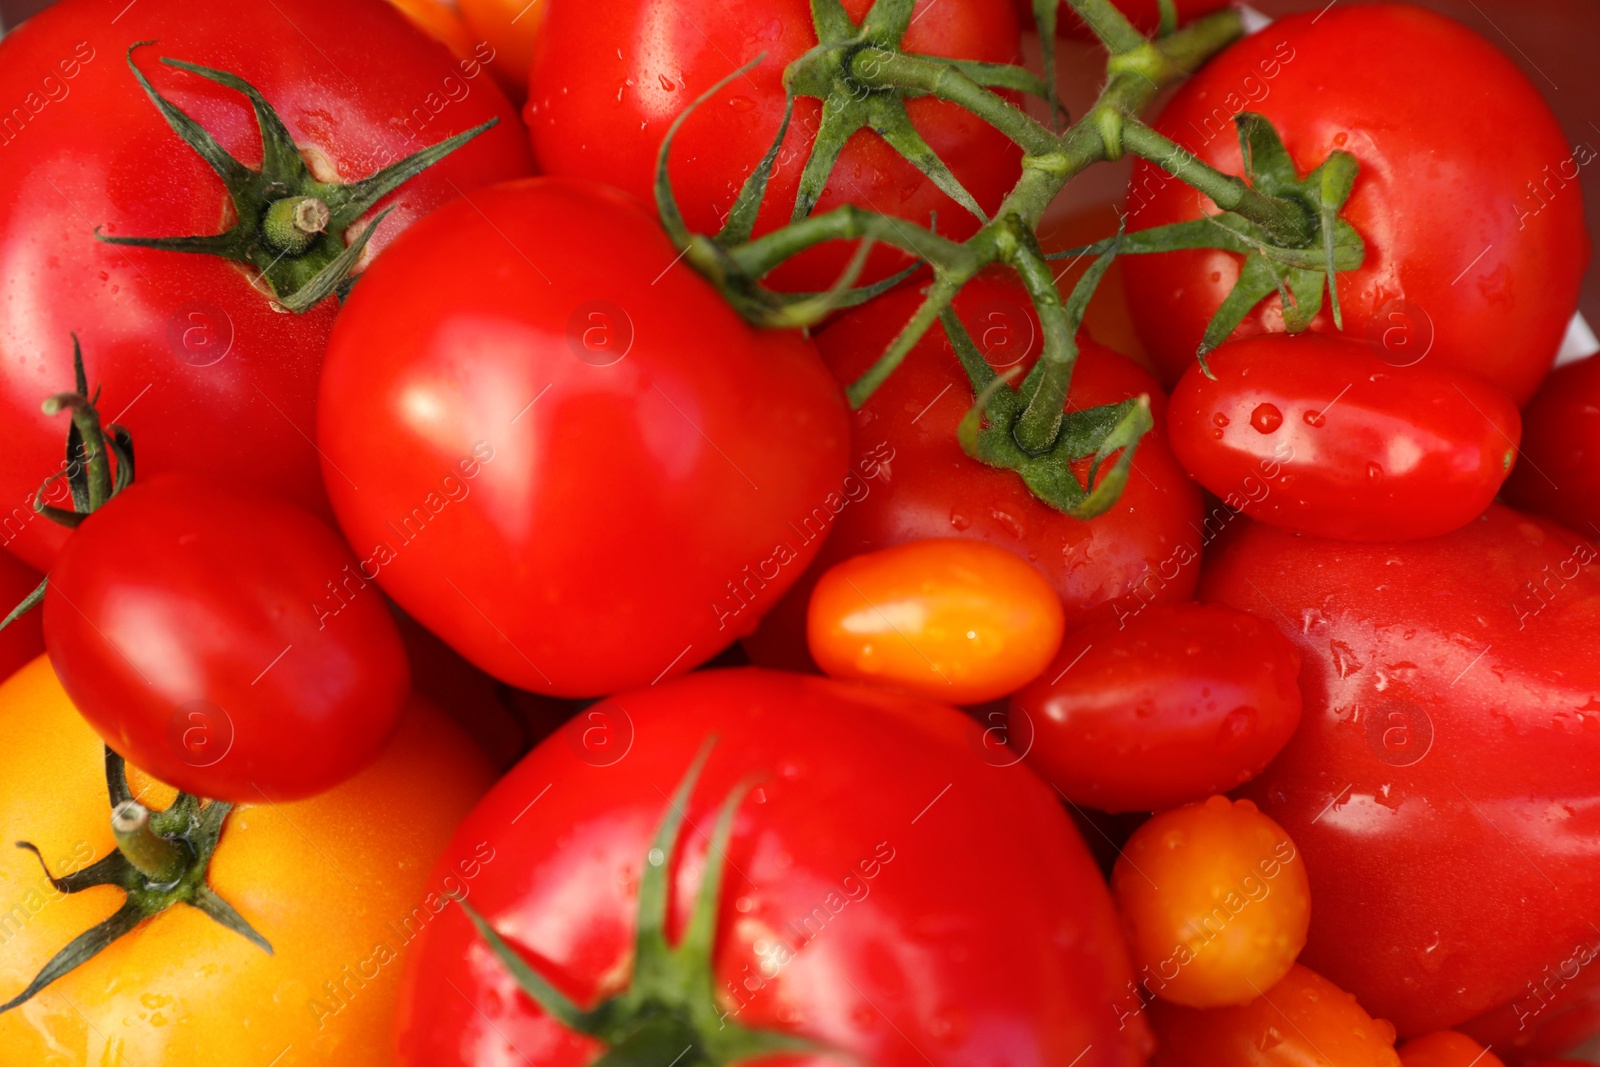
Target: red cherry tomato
[[1559, 475], [1450, 726], [1166, 707], [562, 451], [1446, 1048], [1322, 436], [1475, 242], [224, 641], [601, 100], [24, 638], [857, 908], [204, 370]]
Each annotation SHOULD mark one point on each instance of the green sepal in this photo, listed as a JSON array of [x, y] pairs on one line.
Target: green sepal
[[29, 602]]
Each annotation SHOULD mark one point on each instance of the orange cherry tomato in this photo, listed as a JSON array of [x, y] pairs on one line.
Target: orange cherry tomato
[[510, 27], [1447, 1049], [1303, 1021], [959, 621], [440, 20], [1215, 901]]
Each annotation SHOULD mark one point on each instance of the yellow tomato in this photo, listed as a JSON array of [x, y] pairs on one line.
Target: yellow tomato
[[958, 621], [510, 27], [1215, 901], [440, 20], [339, 885], [1447, 1049]]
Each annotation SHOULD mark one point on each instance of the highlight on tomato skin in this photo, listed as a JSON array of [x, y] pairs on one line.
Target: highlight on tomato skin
[[1163, 707], [954, 620], [1215, 901], [1447, 1048]]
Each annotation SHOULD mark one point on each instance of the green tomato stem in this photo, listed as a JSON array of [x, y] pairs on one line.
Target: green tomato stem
[[162, 861]]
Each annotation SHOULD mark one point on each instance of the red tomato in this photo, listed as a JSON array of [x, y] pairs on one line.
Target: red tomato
[[1475, 242], [610, 76], [1163, 708], [912, 481], [24, 638], [194, 360], [224, 641], [1445, 761], [1321, 435], [1446, 1048], [562, 451], [858, 907], [1559, 474]]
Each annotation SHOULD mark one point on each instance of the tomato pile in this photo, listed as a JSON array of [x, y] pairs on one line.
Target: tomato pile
[[660, 533]]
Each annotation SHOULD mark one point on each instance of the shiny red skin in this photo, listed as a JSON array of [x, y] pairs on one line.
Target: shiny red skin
[[24, 638], [342, 74], [610, 76], [1462, 263], [1442, 783], [570, 527], [1559, 473], [921, 968], [1163, 708], [185, 606], [1320, 435], [911, 480]]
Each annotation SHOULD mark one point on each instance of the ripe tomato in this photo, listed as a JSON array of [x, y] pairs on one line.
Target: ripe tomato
[[1166, 707], [207, 374], [1559, 474], [1446, 1048], [339, 885], [1475, 242], [225, 640], [959, 621], [1450, 726], [24, 638], [1303, 1020], [1322, 436], [510, 27], [560, 450], [911, 480], [857, 907], [1215, 901], [610, 76]]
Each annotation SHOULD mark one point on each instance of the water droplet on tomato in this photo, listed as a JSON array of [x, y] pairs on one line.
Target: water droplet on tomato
[[959, 521], [1219, 419], [666, 83], [1374, 472], [1315, 419], [742, 103], [1266, 418]]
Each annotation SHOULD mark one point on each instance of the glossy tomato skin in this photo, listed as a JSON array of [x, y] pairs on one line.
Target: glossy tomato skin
[[24, 638], [562, 451], [915, 966], [1166, 707], [1475, 245], [1449, 728], [192, 359], [226, 640], [911, 480], [338, 884], [1559, 475], [610, 77], [1319, 434], [1446, 1048]]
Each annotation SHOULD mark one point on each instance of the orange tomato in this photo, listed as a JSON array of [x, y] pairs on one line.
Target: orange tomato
[[952, 620], [1215, 901], [1447, 1049], [1303, 1021], [511, 27], [339, 885], [440, 20]]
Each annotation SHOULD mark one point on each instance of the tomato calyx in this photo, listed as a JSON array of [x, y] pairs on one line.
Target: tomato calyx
[[295, 231], [161, 861], [669, 1013]]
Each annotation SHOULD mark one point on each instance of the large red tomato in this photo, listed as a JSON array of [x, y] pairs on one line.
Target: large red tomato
[[1442, 783], [198, 363], [886, 893], [558, 448], [1475, 240], [610, 76]]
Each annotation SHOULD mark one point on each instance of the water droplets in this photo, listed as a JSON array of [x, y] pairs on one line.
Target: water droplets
[[1266, 418]]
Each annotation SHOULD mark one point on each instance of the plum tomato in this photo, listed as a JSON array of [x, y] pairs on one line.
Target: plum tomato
[[1303, 1021], [1215, 901], [1320, 435], [23, 639], [1446, 1048], [1475, 241], [1166, 707], [559, 449], [1559, 474], [225, 640]]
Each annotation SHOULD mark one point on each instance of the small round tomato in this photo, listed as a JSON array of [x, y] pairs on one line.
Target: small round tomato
[[225, 640], [511, 28], [1164, 707], [1559, 474], [1303, 1021], [958, 621], [1215, 900], [1320, 435], [24, 638], [1446, 1048]]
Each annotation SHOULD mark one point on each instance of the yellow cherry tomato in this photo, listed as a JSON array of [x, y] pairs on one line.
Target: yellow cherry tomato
[[1303, 1021], [1447, 1049], [339, 885], [510, 27], [1215, 901], [440, 20], [962, 622]]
